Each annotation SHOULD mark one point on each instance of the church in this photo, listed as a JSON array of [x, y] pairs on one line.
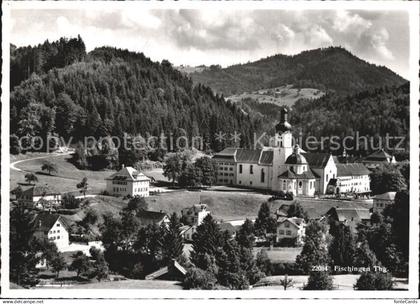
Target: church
[[286, 167]]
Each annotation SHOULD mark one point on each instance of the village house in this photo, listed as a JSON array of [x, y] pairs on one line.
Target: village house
[[194, 215], [281, 166], [381, 201], [128, 181], [40, 196], [53, 227], [291, 228], [153, 218], [187, 232], [378, 158], [349, 216]]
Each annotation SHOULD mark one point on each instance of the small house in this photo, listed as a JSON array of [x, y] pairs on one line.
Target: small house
[[291, 228], [381, 201], [40, 196], [53, 227]]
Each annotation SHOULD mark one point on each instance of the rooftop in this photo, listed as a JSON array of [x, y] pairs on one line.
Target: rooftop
[[352, 169], [128, 173]]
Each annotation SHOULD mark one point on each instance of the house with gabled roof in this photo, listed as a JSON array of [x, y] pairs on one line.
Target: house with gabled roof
[[381, 201], [40, 196], [378, 158], [54, 228], [291, 228], [128, 181], [349, 216], [153, 217]]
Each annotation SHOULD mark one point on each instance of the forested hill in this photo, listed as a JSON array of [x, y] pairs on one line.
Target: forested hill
[[374, 113], [111, 91], [332, 68]]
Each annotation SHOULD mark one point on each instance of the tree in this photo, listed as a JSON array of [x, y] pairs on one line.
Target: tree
[[245, 236], [197, 278], [342, 247], [136, 205], [387, 178], [319, 280], [81, 264], [49, 167], [364, 257], [15, 147], [149, 242], [100, 266], [173, 167], [83, 186], [58, 263], [374, 281], [207, 167], [17, 192], [296, 210], [314, 251], [70, 202], [191, 176], [174, 243], [23, 254], [31, 178], [286, 282], [263, 262], [264, 223], [207, 241]]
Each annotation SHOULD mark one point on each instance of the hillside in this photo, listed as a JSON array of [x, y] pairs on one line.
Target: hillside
[[375, 113], [327, 69], [111, 92]]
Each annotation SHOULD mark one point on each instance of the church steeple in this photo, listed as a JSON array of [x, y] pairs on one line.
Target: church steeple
[[283, 125]]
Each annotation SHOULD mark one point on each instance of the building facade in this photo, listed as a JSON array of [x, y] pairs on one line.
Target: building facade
[[281, 166], [52, 227], [291, 228], [381, 201], [353, 178], [128, 181], [40, 196], [194, 215]]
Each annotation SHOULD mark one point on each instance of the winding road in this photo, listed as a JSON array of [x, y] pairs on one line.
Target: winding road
[[13, 165]]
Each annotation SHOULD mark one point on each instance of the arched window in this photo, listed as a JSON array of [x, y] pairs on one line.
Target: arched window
[[300, 184]]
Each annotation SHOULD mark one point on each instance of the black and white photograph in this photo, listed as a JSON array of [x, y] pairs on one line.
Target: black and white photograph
[[210, 149]]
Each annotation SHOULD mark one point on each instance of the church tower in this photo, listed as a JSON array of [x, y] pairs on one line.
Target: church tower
[[283, 148]]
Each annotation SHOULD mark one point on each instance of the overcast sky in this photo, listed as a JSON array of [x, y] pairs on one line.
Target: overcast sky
[[195, 37]]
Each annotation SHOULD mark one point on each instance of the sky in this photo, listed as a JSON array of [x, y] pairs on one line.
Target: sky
[[225, 37]]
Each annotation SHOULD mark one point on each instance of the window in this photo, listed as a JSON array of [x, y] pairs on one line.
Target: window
[[58, 224], [284, 185], [240, 169], [288, 232], [251, 169], [287, 225], [262, 176], [281, 231], [250, 183], [58, 237], [300, 184]]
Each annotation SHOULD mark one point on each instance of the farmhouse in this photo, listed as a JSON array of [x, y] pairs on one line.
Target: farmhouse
[[381, 201], [40, 196], [152, 218], [128, 181], [194, 215], [52, 227], [291, 228], [349, 216], [377, 158], [279, 167]]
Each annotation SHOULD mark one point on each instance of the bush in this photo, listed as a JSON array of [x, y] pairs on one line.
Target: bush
[[374, 281], [197, 278], [285, 268], [287, 242], [70, 202], [319, 280]]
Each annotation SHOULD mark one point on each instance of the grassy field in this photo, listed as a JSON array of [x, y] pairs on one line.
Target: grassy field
[[280, 254]]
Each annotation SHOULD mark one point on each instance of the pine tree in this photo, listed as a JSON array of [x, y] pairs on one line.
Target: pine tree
[[173, 240]]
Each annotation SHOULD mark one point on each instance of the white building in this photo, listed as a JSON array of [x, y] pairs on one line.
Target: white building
[[353, 178], [52, 227], [381, 201], [40, 196], [291, 228], [280, 167], [128, 181]]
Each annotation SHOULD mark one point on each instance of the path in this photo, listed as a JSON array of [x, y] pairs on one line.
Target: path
[[13, 165]]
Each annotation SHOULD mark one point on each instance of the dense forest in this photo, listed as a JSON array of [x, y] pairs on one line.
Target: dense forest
[[327, 69], [110, 92], [375, 113]]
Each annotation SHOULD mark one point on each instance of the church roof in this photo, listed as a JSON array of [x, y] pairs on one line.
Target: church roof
[[266, 158], [317, 160], [290, 174], [296, 159], [352, 169]]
